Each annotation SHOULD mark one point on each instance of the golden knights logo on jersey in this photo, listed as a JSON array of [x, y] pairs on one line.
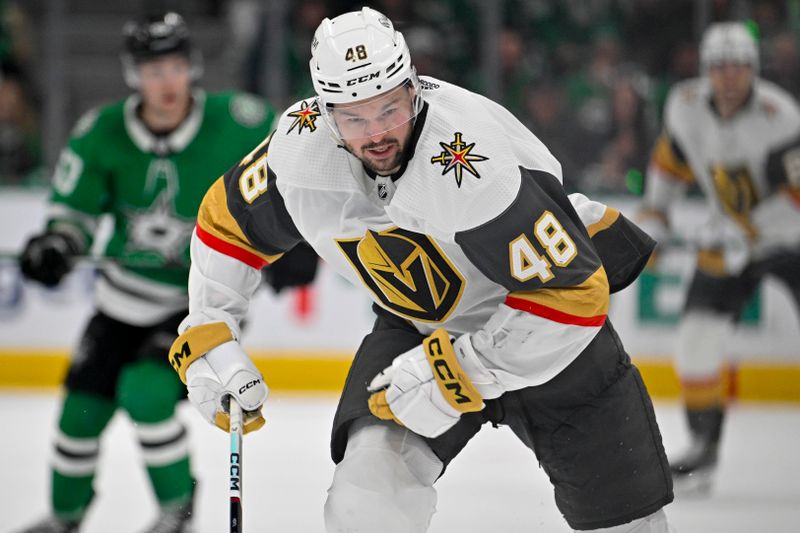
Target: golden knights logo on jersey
[[407, 272], [457, 157], [304, 118], [737, 194]]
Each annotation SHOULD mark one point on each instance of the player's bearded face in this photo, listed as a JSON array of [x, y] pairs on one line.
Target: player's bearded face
[[377, 130]]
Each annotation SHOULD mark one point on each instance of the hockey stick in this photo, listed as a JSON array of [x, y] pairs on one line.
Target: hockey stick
[[235, 470], [82, 259], [95, 261]]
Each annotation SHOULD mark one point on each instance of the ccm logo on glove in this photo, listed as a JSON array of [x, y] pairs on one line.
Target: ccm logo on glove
[[249, 385], [426, 389], [456, 388], [195, 342]]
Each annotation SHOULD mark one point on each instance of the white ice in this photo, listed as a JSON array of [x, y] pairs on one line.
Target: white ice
[[495, 485]]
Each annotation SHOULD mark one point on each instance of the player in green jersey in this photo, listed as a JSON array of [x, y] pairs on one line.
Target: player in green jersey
[[147, 161]]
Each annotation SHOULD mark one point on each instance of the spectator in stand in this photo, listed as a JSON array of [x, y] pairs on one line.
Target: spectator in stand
[[426, 44], [303, 18], [783, 62], [589, 93], [546, 116], [683, 64], [516, 73], [20, 151], [628, 143]]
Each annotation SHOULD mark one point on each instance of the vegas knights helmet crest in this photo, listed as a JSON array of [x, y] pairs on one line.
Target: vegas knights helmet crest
[[358, 56], [728, 42], [153, 36]]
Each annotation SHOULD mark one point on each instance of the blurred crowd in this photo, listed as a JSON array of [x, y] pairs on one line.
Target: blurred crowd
[[20, 140], [589, 77]]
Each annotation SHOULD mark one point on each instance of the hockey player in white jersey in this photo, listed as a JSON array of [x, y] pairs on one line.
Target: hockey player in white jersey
[[738, 138], [491, 291]]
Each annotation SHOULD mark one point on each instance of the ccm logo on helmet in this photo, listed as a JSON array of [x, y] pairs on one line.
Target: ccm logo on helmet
[[249, 385], [362, 79]]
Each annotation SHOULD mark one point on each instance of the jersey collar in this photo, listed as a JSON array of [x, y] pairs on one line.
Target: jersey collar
[[174, 142]]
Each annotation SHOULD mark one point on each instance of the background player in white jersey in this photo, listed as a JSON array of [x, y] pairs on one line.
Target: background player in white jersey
[[147, 162], [491, 290], [738, 138]]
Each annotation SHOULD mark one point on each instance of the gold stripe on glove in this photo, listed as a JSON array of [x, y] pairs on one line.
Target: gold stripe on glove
[[453, 382], [379, 407], [195, 342]]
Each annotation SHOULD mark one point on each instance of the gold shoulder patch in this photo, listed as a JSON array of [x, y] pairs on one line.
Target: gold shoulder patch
[[305, 118], [457, 156]]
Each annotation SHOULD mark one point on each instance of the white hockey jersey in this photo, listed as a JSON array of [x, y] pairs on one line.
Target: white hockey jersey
[[474, 234], [739, 164]]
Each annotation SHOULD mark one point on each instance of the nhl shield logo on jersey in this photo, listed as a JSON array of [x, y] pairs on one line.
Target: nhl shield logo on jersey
[[304, 118], [407, 272], [457, 156]]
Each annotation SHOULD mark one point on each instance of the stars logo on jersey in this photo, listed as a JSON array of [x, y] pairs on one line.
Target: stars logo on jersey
[[156, 234], [305, 117], [457, 157]]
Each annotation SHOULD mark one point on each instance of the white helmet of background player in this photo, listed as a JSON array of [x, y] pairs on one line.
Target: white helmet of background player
[[153, 36], [728, 42], [360, 56]]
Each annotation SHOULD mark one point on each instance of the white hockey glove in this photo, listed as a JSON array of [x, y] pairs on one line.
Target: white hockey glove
[[214, 367], [777, 219], [429, 387]]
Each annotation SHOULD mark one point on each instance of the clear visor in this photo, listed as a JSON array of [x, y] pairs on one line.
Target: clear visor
[[730, 56], [374, 116], [735, 61]]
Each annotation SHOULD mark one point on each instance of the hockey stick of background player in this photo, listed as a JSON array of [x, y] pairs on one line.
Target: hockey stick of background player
[[235, 470], [98, 261]]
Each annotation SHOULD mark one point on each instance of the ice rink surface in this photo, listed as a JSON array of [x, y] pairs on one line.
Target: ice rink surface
[[494, 486]]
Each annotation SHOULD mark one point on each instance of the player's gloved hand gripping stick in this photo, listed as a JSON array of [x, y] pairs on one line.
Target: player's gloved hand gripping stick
[[226, 388], [213, 366]]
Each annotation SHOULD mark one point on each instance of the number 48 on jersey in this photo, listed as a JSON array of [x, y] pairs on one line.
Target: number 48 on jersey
[[526, 263]]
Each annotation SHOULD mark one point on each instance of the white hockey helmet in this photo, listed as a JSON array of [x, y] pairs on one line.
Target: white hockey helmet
[[728, 42], [358, 56]]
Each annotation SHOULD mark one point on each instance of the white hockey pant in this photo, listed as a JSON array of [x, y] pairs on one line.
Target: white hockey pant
[[384, 483], [701, 337]]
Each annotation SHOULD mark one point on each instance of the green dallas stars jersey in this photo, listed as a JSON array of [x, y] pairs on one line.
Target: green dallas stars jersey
[[151, 186]]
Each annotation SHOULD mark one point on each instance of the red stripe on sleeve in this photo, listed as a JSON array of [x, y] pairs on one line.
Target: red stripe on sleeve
[[230, 250], [553, 314]]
